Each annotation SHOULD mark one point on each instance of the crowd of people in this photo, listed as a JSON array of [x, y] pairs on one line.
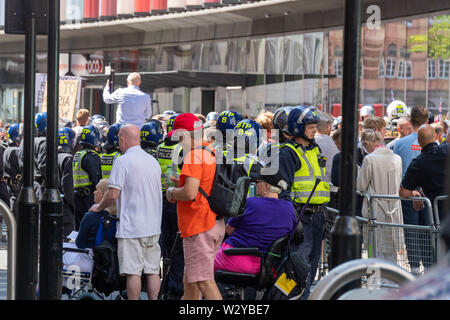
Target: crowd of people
[[154, 173]]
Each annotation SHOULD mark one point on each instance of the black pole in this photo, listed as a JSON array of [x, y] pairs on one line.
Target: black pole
[[111, 90], [345, 244], [27, 216], [50, 285]]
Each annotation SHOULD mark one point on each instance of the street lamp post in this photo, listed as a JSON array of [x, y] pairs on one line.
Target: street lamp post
[[51, 233], [27, 215], [345, 244]]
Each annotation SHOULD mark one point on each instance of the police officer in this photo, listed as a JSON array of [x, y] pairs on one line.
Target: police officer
[[40, 152], [11, 168], [87, 172], [152, 134], [245, 144], [170, 155], [65, 162], [111, 150], [102, 127], [226, 120], [301, 164], [267, 153]]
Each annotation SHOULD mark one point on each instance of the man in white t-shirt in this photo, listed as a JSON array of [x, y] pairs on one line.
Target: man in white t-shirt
[[135, 183]]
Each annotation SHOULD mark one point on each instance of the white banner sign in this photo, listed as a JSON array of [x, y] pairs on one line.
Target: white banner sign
[[69, 95]]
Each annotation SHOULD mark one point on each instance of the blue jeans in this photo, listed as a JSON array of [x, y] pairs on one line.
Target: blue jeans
[[310, 248], [418, 243]]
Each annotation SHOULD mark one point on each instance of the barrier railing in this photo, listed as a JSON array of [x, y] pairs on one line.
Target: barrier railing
[[12, 249], [436, 209], [413, 247]]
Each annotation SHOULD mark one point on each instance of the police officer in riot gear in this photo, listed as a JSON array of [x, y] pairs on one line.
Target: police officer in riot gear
[[245, 144], [300, 164], [271, 150], [226, 120], [40, 151], [111, 150], [102, 127], [170, 155], [87, 172], [65, 163], [152, 134], [11, 168]]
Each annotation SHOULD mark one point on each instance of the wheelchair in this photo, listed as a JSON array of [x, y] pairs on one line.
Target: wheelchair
[[257, 282], [80, 271]]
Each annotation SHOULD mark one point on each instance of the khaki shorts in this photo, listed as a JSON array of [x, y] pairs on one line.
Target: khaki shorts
[[137, 255], [200, 251]]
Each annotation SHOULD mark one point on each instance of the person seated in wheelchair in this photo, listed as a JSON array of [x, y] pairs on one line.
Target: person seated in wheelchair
[[89, 226], [88, 235], [266, 219]]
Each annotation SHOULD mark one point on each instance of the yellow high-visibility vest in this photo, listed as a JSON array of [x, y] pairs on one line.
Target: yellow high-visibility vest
[[305, 178]]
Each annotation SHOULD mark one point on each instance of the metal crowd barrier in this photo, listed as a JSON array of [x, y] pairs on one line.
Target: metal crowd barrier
[[436, 208], [414, 248], [12, 249]]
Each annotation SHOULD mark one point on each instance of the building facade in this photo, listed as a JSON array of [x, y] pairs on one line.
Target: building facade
[[406, 59]]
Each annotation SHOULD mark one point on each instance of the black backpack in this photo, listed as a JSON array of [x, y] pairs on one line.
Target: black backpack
[[106, 277], [230, 187], [289, 278]]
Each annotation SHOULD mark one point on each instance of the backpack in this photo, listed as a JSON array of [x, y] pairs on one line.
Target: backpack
[[230, 187], [290, 278], [106, 277]]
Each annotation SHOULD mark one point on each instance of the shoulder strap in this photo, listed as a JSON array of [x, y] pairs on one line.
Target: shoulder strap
[[202, 192], [206, 148]]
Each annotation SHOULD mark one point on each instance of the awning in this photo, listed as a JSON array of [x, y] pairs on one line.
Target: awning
[[192, 79]]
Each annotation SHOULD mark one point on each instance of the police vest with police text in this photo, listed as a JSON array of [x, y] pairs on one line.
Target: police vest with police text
[[107, 160], [304, 179], [81, 177], [164, 154]]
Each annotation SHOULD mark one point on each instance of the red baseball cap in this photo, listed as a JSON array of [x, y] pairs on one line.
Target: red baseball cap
[[186, 121]]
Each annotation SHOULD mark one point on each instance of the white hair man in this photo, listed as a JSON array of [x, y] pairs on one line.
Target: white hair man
[[134, 106], [404, 128]]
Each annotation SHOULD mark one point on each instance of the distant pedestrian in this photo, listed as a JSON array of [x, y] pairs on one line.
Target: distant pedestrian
[[381, 173], [135, 185], [83, 116], [328, 149], [134, 106], [409, 148], [404, 128], [428, 169]]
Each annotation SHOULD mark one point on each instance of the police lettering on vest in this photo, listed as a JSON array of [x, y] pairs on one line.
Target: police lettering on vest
[[164, 155], [107, 160]]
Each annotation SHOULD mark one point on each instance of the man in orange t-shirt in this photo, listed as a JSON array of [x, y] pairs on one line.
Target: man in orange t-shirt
[[201, 229]]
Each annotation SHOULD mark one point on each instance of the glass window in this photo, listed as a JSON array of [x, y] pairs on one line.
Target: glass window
[[338, 67], [401, 69], [381, 69], [431, 69], [444, 68], [390, 67], [392, 50], [408, 70]]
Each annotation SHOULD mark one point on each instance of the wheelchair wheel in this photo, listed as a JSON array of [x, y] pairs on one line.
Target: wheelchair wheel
[[122, 295], [88, 296]]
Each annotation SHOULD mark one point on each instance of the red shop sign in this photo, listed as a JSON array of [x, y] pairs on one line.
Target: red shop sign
[[94, 66]]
